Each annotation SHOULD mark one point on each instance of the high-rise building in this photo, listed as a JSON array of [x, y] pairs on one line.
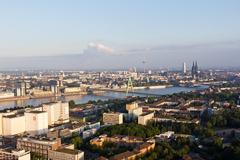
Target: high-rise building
[[58, 112], [1, 120], [184, 68], [36, 122], [20, 89], [9, 124]]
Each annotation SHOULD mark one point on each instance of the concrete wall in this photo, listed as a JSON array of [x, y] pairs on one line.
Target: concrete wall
[[12, 126], [36, 123]]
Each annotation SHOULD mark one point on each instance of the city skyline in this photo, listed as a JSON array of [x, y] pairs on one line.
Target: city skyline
[[170, 31], [120, 80]]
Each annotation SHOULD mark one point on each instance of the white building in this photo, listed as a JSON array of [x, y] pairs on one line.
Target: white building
[[112, 118], [144, 118], [50, 109], [36, 122], [1, 121], [184, 68], [64, 112], [58, 112], [13, 124]]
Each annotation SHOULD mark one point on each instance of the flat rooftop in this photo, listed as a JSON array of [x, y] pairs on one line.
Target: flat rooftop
[[147, 113], [13, 116], [40, 140], [36, 112], [48, 103], [68, 151]]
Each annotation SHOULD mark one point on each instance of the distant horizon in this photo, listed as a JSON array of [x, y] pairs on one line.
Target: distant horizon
[[94, 34], [139, 69]]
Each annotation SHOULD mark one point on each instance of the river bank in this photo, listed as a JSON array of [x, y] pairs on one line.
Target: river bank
[[14, 98], [80, 99], [153, 87]]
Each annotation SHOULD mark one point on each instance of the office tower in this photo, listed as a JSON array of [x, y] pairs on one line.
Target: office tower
[[184, 68]]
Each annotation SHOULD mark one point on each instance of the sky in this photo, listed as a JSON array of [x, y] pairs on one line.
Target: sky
[[59, 27]]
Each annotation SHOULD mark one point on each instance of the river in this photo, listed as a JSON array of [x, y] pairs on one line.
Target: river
[[79, 99]]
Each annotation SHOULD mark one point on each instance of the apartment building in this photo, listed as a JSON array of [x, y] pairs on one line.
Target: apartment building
[[9, 124], [40, 146], [144, 118], [36, 122], [58, 112], [65, 154], [9, 154], [112, 118]]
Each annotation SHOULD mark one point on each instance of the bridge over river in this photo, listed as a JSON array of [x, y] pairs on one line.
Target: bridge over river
[[129, 92]]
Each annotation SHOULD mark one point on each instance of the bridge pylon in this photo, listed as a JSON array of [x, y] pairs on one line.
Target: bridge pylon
[[129, 86]]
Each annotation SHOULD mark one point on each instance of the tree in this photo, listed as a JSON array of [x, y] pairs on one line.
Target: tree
[[218, 142], [77, 141], [71, 103], [36, 156], [153, 156]]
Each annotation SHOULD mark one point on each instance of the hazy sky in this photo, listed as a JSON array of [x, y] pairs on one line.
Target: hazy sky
[[56, 27]]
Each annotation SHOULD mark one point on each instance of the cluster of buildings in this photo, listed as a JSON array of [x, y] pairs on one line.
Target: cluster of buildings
[[49, 148], [54, 83], [42, 128], [134, 112], [34, 121], [161, 111], [139, 145], [15, 154], [40, 131], [27, 133]]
